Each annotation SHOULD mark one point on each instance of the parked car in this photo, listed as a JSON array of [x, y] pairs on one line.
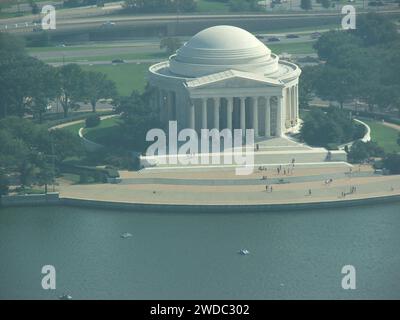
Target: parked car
[[273, 39]]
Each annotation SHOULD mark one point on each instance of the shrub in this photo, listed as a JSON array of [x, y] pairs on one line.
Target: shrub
[[361, 151], [92, 121], [3, 185], [392, 163]]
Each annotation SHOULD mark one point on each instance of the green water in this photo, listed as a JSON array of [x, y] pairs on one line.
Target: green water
[[294, 255]]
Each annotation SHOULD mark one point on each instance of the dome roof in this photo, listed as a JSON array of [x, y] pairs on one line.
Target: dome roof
[[221, 48], [224, 38]]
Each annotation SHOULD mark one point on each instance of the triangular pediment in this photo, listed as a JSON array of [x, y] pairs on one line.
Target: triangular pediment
[[232, 79]]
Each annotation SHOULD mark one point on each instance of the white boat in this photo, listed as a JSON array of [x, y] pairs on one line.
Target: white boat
[[244, 252], [126, 235]]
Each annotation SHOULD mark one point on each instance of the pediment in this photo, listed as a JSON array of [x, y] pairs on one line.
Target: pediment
[[232, 79]]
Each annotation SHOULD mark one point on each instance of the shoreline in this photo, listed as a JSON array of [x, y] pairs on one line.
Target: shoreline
[[53, 199]]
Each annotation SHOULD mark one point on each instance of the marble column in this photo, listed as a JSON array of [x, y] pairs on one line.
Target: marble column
[[191, 115], [255, 116], [204, 113], [170, 106], [242, 114], [216, 113], [229, 110], [296, 103], [267, 117], [293, 114], [280, 114]]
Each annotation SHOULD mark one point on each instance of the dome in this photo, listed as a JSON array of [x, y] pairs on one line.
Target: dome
[[222, 48]]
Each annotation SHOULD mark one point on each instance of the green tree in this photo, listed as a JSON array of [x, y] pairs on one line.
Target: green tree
[[4, 184], [138, 118], [306, 4], [361, 151], [71, 87], [326, 4], [170, 44], [392, 163], [307, 85], [97, 87], [336, 84], [374, 29]]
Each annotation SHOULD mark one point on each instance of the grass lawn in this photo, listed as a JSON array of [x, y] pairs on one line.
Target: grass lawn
[[108, 57], [127, 77], [74, 128], [100, 133], [385, 137], [211, 6]]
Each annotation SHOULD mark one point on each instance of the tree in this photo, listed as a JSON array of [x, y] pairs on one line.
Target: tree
[[374, 29], [392, 163], [361, 151], [336, 84], [306, 86], [4, 184], [97, 86], [326, 4], [341, 128], [329, 45], [306, 4], [170, 44], [138, 118], [243, 5], [45, 174], [71, 86], [29, 149]]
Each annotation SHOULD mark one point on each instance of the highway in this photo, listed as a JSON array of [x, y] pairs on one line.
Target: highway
[[83, 20]]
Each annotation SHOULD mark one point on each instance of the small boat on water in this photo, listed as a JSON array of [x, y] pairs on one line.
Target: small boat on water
[[65, 297], [244, 252], [126, 235]]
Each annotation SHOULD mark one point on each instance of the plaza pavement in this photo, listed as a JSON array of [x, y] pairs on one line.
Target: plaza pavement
[[195, 187]]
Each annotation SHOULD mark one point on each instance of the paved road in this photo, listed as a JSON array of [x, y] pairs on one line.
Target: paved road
[[65, 23]]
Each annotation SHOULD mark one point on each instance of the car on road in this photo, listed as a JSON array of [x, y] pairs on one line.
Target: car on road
[[315, 35], [108, 24], [292, 36], [117, 61], [259, 37], [273, 39]]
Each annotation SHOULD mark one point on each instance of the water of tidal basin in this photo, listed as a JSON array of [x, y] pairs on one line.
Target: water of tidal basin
[[294, 255]]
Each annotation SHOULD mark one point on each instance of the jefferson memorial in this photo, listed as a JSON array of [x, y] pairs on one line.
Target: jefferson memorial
[[224, 77]]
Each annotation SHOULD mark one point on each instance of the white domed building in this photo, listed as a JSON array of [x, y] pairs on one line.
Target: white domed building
[[224, 77]]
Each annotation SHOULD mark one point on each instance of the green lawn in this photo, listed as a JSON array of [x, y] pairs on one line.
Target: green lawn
[[100, 133], [74, 128], [128, 77], [108, 57], [211, 6], [386, 137], [107, 133]]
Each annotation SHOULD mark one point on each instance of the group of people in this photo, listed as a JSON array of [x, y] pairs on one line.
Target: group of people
[[353, 189]]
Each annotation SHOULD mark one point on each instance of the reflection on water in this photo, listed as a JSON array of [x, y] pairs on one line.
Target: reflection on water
[[293, 255]]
